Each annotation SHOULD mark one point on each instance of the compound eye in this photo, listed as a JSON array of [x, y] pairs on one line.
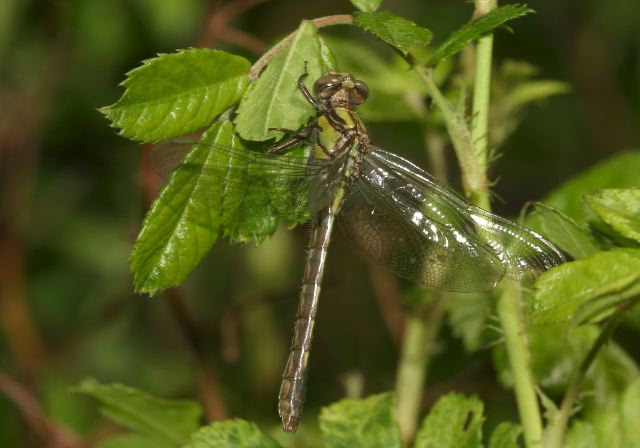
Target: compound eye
[[362, 89], [359, 93], [326, 86]]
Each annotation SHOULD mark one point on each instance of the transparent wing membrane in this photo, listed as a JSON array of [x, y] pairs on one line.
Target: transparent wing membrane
[[253, 190], [396, 213], [415, 246], [167, 156], [523, 253]]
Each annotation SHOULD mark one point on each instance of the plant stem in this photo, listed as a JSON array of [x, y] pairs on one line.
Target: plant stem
[[481, 97], [509, 309], [481, 94], [472, 152], [474, 172], [510, 297], [556, 431], [422, 328]]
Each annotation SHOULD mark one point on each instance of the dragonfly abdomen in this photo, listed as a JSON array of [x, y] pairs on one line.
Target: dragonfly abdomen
[[294, 378]]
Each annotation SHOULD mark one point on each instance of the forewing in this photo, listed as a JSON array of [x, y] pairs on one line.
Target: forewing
[[169, 155], [255, 190], [523, 253], [415, 246]]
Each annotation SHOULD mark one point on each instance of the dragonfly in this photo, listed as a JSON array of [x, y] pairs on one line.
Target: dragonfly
[[392, 210]]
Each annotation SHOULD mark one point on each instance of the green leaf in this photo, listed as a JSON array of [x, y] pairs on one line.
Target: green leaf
[[184, 220], [167, 422], [175, 94], [468, 315], [221, 187], [530, 91], [361, 423], [580, 435], [563, 231], [505, 436], [620, 171], [231, 434], [514, 92], [132, 441], [555, 356], [327, 57], [454, 422], [602, 281], [618, 208], [274, 100], [631, 414], [396, 31], [366, 5], [608, 424], [476, 29]]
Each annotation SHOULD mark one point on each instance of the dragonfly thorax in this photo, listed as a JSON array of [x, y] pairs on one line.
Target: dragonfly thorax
[[340, 131], [340, 90]]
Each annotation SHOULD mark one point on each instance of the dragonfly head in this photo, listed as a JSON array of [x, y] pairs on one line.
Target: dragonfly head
[[340, 89]]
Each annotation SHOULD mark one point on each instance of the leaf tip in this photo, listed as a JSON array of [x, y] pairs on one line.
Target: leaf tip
[[86, 386]]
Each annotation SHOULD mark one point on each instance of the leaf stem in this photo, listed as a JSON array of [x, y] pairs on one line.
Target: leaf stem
[[474, 171], [554, 437], [481, 94], [471, 149], [509, 304], [422, 328], [509, 309], [481, 97]]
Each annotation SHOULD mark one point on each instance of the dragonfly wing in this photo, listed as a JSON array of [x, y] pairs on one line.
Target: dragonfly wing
[[250, 190], [170, 154], [415, 246], [326, 184], [523, 253]]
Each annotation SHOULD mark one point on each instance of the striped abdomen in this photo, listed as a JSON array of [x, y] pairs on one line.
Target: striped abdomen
[[294, 378]]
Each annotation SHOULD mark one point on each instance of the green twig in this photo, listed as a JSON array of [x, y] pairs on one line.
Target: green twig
[[510, 314], [555, 433], [474, 171], [509, 300], [481, 97], [471, 148], [422, 328], [481, 94]]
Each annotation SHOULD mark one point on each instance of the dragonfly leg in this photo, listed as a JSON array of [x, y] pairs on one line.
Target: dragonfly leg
[[295, 138], [303, 88]]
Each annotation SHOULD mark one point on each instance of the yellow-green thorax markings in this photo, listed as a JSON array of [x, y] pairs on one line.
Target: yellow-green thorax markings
[[340, 132], [339, 127]]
